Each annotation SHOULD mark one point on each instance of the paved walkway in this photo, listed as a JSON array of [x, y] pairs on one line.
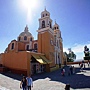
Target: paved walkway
[[50, 81]]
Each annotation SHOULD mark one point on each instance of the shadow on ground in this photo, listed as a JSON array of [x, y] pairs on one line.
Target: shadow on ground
[[76, 81], [13, 76]]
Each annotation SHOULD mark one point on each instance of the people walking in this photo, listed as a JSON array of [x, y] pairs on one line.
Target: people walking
[[63, 72], [81, 67], [23, 83], [79, 63], [29, 82], [71, 69], [88, 63]]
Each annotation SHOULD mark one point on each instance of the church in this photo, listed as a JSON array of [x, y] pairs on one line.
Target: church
[[28, 56]]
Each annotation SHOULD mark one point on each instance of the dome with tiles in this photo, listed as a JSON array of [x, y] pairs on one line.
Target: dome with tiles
[[25, 33], [25, 36]]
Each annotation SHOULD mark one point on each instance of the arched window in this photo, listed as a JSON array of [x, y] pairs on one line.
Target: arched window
[[25, 37], [43, 15], [50, 24], [12, 46], [19, 38], [46, 14], [27, 48], [57, 27], [35, 46], [30, 39], [60, 35], [43, 24]]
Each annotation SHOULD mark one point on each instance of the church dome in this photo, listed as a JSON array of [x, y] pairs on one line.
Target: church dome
[[25, 33], [25, 36]]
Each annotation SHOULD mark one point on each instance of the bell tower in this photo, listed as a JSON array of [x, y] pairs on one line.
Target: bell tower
[[46, 36], [45, 20], [58, 44]]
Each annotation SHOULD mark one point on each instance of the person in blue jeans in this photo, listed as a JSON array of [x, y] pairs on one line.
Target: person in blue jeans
[[23, 83], [29, 82]]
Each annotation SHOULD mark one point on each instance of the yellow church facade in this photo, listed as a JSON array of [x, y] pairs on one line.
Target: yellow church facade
[[28, 56]]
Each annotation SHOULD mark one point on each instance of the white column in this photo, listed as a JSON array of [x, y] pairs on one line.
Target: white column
[[55, 57]]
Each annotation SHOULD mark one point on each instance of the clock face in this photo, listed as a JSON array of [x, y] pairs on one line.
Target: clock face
[[51, 41]]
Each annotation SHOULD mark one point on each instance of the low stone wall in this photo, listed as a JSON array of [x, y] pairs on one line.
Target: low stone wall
[[69, 63]]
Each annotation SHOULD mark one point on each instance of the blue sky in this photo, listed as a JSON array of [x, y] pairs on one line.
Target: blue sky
[[73, 17]]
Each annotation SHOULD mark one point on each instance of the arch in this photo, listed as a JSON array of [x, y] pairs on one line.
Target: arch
[[35, 46], [50, 24], [25, 37], [31, 39], [12, 47], [19, 38], [27, 48], [43, 15], [43, 24], [54, 27]]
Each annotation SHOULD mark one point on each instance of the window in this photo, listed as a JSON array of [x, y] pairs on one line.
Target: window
[[60, 35], [19, 38], [35, 46], [43, 24], [12, 47], [25, 37], [46, 14], [50, 24], [55, 28], [43, 15], [27, 48], [30, 39]]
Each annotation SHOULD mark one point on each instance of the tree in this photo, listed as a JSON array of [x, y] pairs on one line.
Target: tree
[[71, 56]]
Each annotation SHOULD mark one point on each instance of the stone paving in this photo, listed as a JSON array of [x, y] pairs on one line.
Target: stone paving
[[50, 81]]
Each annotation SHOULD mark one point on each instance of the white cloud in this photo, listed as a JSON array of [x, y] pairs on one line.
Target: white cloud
[[78, 49]]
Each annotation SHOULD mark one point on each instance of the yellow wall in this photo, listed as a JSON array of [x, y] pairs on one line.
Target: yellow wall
[[1, 62], [21, 46], [44, 46], [15, 60]]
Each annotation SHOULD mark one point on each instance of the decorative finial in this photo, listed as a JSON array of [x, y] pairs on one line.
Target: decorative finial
[[26, 29], [45, 8], [55, 21]]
